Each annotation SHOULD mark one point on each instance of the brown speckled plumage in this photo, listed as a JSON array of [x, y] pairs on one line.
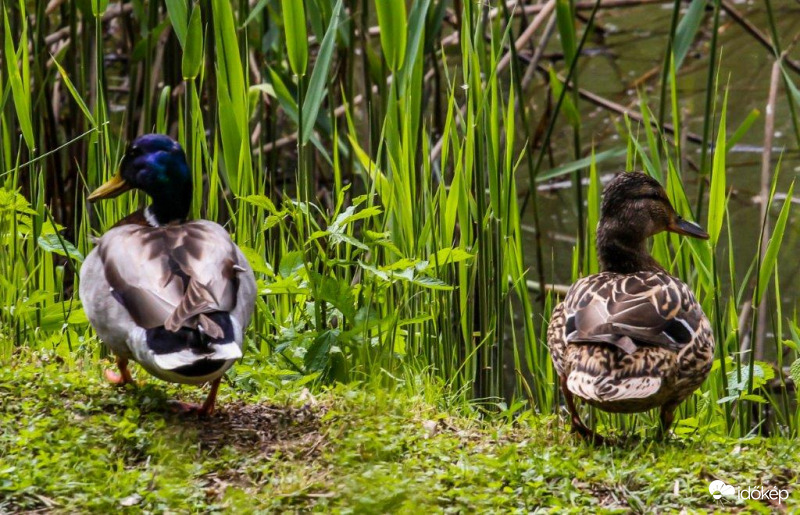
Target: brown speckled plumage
[[632, 337]]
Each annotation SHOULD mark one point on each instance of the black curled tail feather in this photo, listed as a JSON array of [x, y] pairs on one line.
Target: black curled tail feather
[[160, 340], [191, 352]]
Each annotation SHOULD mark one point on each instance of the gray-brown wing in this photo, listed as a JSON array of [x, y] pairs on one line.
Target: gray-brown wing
[[172, 275], [631, 310]]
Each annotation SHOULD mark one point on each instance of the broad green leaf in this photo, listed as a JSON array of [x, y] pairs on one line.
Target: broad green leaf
[[294, 26], [448, 256], [566, 29], [58, 245], [231, 96], [15, 201], [350, 215], [257, 261], [263, 88], [77, 316], [687, 30], [179, 16], [338, 293], [98, 8], [318, 354], [794, 372], [53, 316], [318, 234], [341, 237], [161, 111], [686, 426], [393, 25], [271, 222], [399, 344], [193, 49], [384, 276], [290, 263], [285, 286], [430, 282], [738, 381], [261, 201]]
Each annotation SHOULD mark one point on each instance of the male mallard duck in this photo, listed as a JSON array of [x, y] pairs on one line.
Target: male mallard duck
[[632, 337], [173, 295]]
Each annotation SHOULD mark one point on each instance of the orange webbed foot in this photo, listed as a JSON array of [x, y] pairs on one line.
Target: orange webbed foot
[[189, 408], [123, 377], [207, 408], [115, 378]]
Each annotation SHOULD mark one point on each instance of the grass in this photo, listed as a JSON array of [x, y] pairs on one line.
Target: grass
[[72, 443]]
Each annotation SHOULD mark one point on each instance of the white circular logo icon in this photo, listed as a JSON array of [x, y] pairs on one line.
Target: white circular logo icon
[[719, 488]]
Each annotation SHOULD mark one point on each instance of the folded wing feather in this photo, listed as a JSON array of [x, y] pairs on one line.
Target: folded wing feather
[[642, 308], [172, 275]]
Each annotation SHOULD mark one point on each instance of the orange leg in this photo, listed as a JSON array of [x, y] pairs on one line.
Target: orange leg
[[205, 410], [578, 426], [124, 377], [208, 406]]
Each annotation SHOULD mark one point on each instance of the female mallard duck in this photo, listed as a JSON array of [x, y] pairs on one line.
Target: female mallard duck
[[173, 295], [632, 337]]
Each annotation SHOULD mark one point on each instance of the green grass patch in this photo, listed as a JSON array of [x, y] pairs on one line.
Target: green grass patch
[[70, 442]]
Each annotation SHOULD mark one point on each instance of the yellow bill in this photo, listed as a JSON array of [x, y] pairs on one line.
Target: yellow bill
[[113, 187]]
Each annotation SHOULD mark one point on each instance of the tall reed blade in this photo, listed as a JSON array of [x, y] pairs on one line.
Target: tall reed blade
[[718, 191], [319, 75], [294, 26], [19, 76], [393, 26]]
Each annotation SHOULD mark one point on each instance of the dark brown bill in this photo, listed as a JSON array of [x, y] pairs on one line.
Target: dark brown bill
[[687, 228]]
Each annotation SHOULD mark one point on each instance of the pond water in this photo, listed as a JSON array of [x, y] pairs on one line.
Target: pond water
[[631, 44]]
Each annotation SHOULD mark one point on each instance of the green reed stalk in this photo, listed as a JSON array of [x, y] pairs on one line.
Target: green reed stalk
[[709, 102]]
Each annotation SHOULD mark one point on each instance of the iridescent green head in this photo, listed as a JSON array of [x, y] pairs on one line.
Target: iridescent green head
[[155, 164]]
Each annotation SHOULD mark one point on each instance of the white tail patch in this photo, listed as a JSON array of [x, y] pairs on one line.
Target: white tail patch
[[609, 389], [173, 360]]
